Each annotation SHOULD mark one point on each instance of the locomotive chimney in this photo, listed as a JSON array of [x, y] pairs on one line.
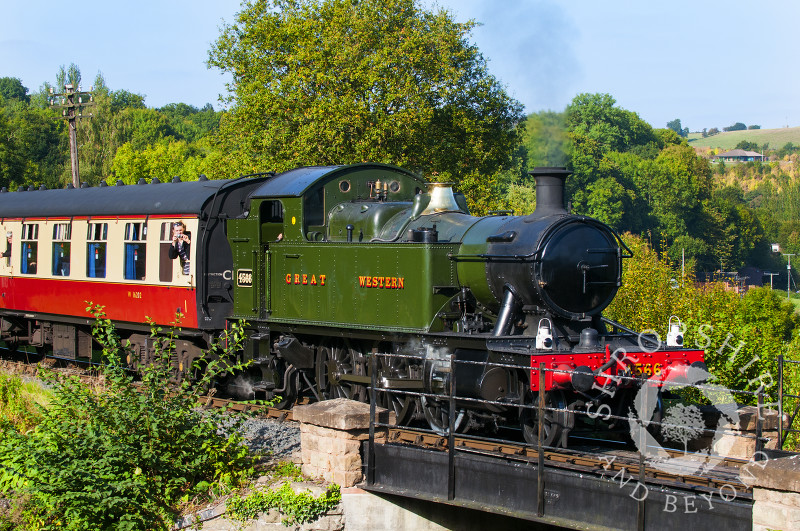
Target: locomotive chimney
[[549, 190]]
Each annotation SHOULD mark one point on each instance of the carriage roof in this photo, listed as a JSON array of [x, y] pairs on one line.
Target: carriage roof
[[138, 199]]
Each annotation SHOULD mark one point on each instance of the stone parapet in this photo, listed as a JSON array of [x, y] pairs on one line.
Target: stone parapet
[[776, 493], [331, 433], [736, 439]]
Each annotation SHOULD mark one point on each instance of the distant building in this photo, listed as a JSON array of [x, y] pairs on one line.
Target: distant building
[[739, 155], [736, 281], [751, 276]]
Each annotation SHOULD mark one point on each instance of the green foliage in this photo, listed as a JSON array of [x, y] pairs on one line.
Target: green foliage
[[29, 146], [675, 125], [338, 82], [738, 126], [741, 336], [521, 198], [123, 99], [544, 140], [12, 88], [125, 456], [289, 470], [189, 122], [163, 160], [614, 129], [35, 148], [18, 401], [296, 508], [748, 146], [71, 75], [648, 181]]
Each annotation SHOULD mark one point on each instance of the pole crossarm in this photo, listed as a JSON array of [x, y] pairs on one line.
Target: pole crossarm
[[73, 102]]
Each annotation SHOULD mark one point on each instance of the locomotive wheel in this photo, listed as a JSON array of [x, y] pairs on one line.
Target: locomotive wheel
[[334, 361], [437, 413], [403, 405], [554, 421]]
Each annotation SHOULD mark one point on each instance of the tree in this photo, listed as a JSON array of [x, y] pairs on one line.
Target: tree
[[748, 146], [544, 140], [597, 117], [71, 75], [30, 145], [675, 125], [607, 201], [12, 88], [189, 122], [340, 81], [123, 99], [738, 126]]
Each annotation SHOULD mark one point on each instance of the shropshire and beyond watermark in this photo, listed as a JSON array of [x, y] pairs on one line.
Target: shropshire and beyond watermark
[[682, 423]]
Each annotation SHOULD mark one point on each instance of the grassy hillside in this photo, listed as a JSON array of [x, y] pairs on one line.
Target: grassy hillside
[[776, 138]]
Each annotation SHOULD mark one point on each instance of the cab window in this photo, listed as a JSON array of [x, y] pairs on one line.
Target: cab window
[[271, 214]]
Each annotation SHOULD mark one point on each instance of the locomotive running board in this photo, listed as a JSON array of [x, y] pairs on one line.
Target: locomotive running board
[[571, 499]]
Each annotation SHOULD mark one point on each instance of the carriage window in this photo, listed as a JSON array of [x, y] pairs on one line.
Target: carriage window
[[96, 237], [164, 261], [135, 250], [62, 233], [7, 252], [30, 244], [169, 256]]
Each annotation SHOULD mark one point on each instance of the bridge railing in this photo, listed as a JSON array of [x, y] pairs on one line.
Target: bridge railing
[[656, 432], [786, 427]]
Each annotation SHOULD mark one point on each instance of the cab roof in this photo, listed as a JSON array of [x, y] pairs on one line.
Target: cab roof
[[295, 183]]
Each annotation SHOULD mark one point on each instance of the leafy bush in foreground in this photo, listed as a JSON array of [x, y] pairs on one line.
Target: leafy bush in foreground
[[124, 456], [296, 507], [18, 400]]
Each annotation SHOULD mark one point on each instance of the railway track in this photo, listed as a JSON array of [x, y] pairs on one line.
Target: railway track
[[614, 463]]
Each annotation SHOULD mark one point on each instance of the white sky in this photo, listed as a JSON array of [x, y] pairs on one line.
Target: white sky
[[708, 62]]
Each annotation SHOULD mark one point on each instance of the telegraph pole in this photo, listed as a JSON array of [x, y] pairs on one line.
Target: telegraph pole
[[72, 103], [788, 274]]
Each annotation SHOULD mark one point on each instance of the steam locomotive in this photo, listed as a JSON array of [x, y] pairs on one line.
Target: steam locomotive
[[346, 275]]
